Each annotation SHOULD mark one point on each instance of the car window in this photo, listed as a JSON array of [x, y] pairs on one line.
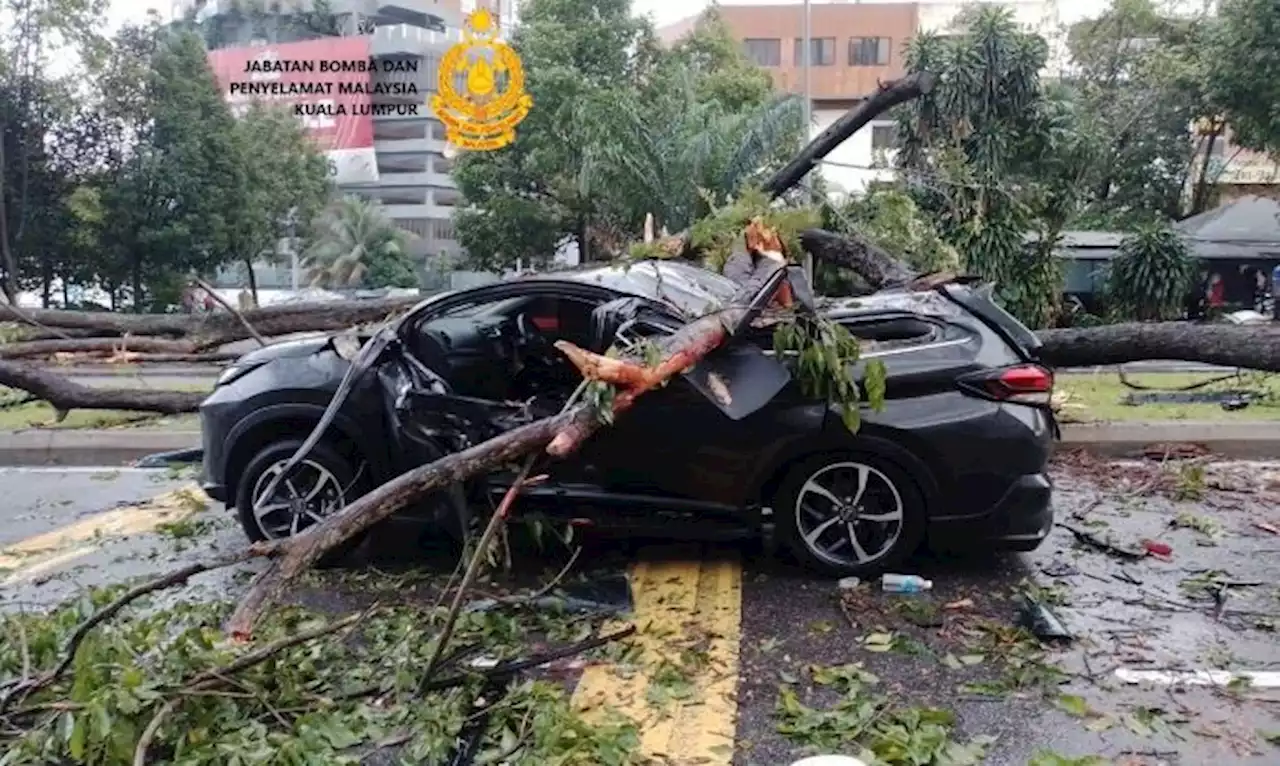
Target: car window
[[489, 307]]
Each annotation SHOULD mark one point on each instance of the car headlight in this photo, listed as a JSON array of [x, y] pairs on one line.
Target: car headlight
[[235, 372]]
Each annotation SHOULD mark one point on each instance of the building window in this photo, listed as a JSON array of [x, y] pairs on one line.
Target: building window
[[443, 230], [884, 137], [763, 51], [418, 227], [869, 51], [822, 48], [447, 197]]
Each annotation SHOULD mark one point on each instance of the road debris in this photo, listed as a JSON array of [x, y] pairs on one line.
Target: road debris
[[898, 583], [1043, 623]]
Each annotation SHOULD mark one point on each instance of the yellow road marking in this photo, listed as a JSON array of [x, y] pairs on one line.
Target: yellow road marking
[[679, 683], [46, 564], [86, 535]]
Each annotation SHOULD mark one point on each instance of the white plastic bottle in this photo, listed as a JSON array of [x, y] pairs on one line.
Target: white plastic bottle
[[896, 583]]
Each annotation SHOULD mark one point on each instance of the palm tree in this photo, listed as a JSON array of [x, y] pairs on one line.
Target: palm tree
[[352, 241], [684, 149]]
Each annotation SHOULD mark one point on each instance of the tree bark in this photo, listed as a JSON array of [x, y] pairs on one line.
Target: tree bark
[[211, 330], [26, 349], [887, 96], [854, 252], [65, 395], [1226, 345]]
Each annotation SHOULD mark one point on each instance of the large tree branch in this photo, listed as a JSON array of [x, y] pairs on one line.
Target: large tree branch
[[34, 348], [559, 435], [65, 395], [887, 96], [860, 255]]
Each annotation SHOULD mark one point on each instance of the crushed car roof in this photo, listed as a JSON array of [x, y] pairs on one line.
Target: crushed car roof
[[696, 291]]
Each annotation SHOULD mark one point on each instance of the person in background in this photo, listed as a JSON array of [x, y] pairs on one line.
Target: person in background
[[1217, 293]]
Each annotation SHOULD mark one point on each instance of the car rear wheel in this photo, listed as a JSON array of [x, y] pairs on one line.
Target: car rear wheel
[[850, 513], [320, 486]]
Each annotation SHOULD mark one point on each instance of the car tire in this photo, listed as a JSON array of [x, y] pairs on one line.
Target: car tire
[[323, 465], [888, 517]]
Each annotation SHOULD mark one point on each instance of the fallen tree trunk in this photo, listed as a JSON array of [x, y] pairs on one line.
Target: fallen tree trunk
[[1226, 345], [42, 348], [858, 254], [65, 395], [205, 331]]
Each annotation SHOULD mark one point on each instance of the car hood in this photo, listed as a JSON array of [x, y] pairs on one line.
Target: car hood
[[286, 349]]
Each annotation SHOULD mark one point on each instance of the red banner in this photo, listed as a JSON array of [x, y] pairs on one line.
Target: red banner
[[326, 83]]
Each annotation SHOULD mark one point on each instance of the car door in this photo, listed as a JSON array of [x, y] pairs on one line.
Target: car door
[[675, 442]]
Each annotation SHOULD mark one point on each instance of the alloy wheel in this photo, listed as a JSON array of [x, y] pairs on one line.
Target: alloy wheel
[[310, 493], [849, 514]]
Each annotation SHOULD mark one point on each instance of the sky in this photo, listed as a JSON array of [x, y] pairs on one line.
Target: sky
[[663, 11]]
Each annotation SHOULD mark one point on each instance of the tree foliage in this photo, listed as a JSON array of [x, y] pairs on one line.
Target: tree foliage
[[1151, 274], [283, 182], [621, 127], [990, 157], [353, 243], [1244, 71], [1140, 79]]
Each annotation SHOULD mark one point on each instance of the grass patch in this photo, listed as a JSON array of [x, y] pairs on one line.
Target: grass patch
[[40, 415], [1099, 397]]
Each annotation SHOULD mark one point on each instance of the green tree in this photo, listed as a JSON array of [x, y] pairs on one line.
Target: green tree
[[283, 179], [992, 158], [540, 191], [355, 243], [168, 209], [1244, 71], [972, 149], [1139, 78], [620, 128], [31, 102], [705, 124], [1151, 274]]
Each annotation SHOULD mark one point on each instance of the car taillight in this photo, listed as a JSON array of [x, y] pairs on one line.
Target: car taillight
[[1024, 384]]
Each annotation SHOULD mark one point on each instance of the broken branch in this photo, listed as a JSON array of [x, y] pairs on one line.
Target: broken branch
[[25, 687], [292, 556]]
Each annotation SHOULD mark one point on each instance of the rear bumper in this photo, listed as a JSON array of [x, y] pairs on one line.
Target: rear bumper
[[1019, 521]]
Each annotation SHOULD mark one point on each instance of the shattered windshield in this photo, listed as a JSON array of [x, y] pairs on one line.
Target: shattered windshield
[[693, 290]]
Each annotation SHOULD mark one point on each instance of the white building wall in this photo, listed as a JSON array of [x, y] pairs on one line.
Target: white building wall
[[848, 169]]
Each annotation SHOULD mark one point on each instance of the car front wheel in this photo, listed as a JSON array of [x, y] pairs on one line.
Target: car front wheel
[[318, 487], [850, 513]]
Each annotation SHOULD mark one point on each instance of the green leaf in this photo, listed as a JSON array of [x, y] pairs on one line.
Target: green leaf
[[1073, 705]]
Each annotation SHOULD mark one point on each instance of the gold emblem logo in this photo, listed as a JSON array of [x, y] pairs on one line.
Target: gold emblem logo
[[480, 94]]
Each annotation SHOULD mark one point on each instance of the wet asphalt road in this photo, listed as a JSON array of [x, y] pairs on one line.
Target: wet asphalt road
[[66, 529], [1143, 614]]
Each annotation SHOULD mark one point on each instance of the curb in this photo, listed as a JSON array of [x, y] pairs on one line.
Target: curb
[[1244, 440], [37, 447]]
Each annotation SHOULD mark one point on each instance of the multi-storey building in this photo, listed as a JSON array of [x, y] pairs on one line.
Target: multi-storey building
[[410, 174], [855, 45]]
